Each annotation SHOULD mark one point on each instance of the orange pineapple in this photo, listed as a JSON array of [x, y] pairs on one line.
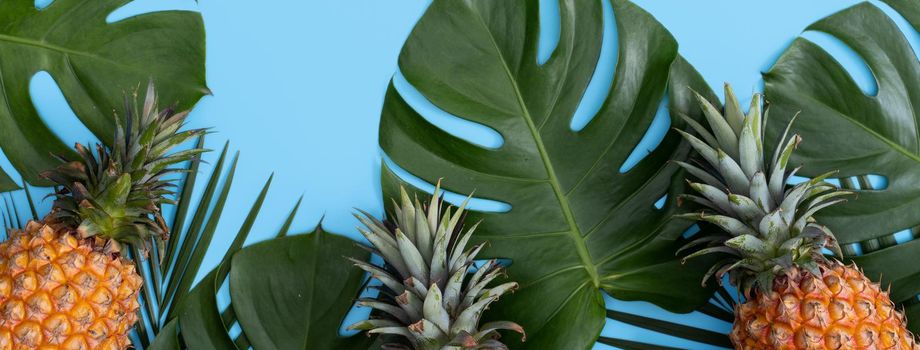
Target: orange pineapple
[[840, 309], [63, 282], [796, 297]]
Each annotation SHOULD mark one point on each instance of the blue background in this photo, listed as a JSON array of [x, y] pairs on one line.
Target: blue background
[[299, 84]]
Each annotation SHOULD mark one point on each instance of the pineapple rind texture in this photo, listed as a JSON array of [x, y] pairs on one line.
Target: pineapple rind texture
[[61, 292], [841, 309], [430, 300]]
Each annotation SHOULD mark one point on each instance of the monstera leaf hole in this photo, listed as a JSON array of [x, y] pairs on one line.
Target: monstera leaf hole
[[602, 80], [549, 30], [656, 132], [140, 7], [910, 33], [474, 203], [52, 107], [854, 64], [469, 131], [42, 4]]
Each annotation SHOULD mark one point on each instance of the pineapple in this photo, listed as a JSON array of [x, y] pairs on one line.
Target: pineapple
[[424, 300], [796, 297], [63, 282]]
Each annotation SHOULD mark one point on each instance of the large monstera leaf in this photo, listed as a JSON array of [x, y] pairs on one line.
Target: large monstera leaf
[[95, 63], [848, 130], [577, 225]]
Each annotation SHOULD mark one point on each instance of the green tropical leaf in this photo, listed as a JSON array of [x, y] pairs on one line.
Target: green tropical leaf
[[95, 63], [6, 183], [294, 292], [170, 338], [577, 225], [858, 134], [200, 318]]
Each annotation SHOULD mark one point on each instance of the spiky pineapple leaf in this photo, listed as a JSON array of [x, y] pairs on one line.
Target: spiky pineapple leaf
[[94, 63], [845, 129], [577, 225], [294, 292]]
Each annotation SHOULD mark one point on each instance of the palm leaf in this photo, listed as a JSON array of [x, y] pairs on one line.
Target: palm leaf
[[164, 286], [859, 134], [682, 331], [578, 226], [680, 328], [94, 63]]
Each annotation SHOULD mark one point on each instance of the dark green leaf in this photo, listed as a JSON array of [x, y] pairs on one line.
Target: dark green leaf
[[293, 292], [199, 318], [286, 227], [168, 339], [94, 63], [6, 183], [577, 226]]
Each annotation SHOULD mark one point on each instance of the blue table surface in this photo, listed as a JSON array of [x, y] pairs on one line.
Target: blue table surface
[[299, 84]]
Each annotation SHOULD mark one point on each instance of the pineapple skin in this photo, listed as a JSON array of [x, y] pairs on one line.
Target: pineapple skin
[[58, 291], [840, 310]]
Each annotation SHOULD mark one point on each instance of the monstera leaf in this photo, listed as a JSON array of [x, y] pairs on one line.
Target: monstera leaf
[[848, 130], [95, 63], [293, 292], [577, 224], [287, 293]]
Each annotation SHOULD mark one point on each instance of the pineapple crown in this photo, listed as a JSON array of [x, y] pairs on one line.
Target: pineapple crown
[[116, 192], [426, 297], [768, 226]]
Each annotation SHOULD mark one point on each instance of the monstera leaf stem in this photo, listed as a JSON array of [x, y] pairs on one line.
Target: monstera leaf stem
[[574, 232]]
